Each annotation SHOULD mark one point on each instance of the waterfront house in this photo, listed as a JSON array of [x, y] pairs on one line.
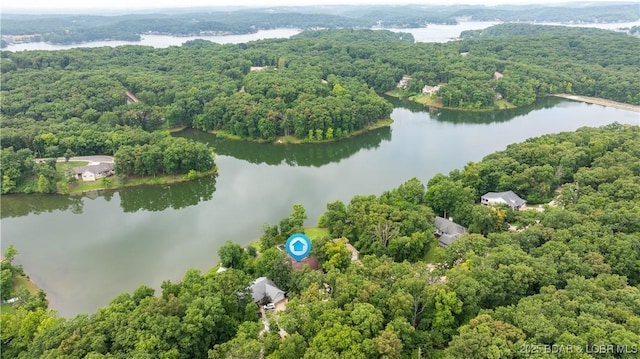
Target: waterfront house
[[509, 198], [94, 172]]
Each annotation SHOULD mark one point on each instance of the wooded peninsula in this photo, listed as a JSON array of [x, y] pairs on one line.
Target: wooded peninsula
[[317, 86]]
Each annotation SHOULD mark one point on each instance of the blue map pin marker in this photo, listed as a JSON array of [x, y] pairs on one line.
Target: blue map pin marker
[[298, 246]]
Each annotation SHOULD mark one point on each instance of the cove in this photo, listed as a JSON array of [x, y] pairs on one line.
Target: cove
[[83, 251]]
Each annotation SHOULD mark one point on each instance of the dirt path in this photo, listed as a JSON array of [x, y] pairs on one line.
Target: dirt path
[[600, 101]]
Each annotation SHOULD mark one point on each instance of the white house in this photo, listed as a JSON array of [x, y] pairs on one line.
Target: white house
[[428, 90], [404, 82], [509, 198], [94, 172]]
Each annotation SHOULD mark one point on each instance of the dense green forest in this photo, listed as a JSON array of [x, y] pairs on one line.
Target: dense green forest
[[316, 86], [563, 282], [68, 29]]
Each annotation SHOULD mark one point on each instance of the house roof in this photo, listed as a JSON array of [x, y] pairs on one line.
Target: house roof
[[509, 197], [448, 227], [102, 167], [263, 287], [447, 239], [350, 247], [353, 249], [311, 261]]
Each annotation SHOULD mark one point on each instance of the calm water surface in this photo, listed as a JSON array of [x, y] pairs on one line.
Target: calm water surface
[[83, 251], [161, 41]]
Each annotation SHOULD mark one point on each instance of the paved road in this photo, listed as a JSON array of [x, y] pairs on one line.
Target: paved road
[[107, 159], [90, 159]]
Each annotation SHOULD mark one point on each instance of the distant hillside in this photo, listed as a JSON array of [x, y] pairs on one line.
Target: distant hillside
[[64, 29]]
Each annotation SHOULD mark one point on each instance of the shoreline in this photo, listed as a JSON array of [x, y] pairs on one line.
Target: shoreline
[[599, 101], [142, 182], [427, 101], [579, 98], [292, 140]]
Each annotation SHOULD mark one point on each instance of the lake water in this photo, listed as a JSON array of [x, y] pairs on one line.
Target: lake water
[[83, 251], [161, 41], [431, 33]]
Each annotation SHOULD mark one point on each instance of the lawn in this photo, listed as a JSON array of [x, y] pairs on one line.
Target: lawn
[[19, 282], [435, 253], [7, 308], [24, 282], [504, 104], [427, 100], [316, 232], [63, 167]]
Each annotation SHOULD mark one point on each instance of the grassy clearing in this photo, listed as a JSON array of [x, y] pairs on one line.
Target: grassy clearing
[[435, 253], [63, 167], [177, 129], [7, 309], [231, 136], [24, 282], [396, 93], [287, 140], [19, 283], [504, 104], [427, 100], [316, 233]]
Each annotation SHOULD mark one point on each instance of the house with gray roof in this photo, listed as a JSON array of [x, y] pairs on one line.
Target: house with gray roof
[[263, 287], [447, 231], [94, 172], [509, 198]]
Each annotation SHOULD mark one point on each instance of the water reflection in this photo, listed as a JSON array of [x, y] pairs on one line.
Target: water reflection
[[159, 198], [148, 198], [307, 155], [474, 117], [16, 205]]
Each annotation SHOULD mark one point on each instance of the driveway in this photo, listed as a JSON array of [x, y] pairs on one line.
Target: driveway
[[93, 160]]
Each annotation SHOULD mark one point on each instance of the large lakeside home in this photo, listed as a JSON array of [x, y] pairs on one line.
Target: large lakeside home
[[509, 198]]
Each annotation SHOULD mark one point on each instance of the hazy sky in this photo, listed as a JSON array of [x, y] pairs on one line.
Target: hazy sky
[[150, 4]]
